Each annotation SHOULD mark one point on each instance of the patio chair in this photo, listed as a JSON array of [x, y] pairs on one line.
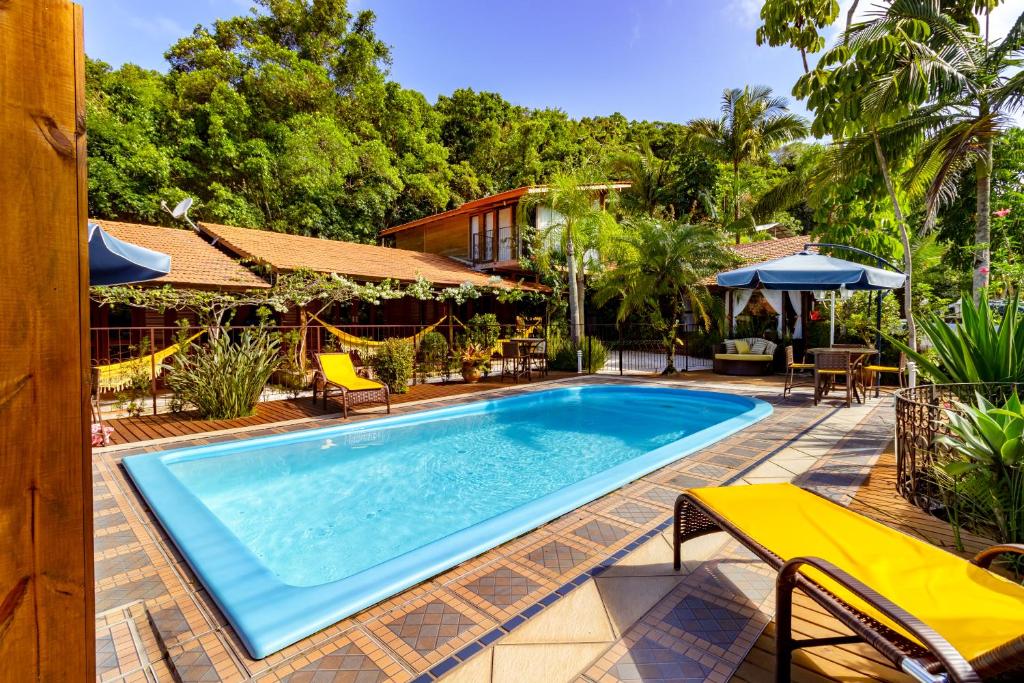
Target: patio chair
[[932, 614], [336, 374], [791, 368], [513, 363], [900, 370], [828, 367], [539, 358]]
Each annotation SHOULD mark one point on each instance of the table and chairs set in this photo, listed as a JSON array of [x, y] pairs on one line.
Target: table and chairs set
[[854, 368], [522, 357]]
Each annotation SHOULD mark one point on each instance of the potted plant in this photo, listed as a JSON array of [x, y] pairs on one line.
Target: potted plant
[[474, 357]]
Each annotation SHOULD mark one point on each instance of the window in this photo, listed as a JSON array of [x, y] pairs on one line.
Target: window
[[489, 236], [505, 235], [474, 238]]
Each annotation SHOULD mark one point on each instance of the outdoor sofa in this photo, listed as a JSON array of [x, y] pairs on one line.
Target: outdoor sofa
[[749, 356], [936, 616]]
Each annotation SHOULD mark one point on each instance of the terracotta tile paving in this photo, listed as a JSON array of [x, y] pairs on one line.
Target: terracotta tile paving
[[426, 631]]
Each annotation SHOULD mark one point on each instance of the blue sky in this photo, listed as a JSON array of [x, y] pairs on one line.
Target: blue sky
[[648, 59]]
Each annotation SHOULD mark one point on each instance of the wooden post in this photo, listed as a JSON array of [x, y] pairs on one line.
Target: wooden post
[[47, 620], [152, 368]]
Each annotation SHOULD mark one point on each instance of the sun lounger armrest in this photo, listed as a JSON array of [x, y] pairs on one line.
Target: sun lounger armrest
[[954, 663], [985, 557]]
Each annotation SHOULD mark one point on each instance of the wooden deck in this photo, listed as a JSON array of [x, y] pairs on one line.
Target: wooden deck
[[165, 425], [878, 499]]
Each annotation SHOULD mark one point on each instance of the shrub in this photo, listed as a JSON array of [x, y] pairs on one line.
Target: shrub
[[483, 329], [562, 354], [433, 352], [392, 363], [986, 482], [979, 349], [224, 379]]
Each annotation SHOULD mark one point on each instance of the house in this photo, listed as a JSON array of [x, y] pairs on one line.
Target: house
[[483, 233], [233, 259]]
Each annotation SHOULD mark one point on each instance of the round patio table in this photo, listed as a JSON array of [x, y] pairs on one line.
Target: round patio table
[[857, 354]]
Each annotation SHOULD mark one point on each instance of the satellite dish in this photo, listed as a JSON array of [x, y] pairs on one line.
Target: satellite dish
[[182, 208]]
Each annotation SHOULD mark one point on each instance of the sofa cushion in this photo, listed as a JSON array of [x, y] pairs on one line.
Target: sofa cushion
[[742, 346], [730, 346], [743, 356], [758, 346]]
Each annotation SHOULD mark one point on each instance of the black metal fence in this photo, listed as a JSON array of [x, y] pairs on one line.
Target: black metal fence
[[639, 349]]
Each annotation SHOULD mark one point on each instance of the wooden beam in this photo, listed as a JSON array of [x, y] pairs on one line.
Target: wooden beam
[[46, 582]]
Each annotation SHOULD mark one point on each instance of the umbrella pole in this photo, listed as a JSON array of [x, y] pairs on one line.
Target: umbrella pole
[[832, 325]]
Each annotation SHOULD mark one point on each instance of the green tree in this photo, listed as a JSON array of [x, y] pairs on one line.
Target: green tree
[[578, 231], [796, 23], [659, 274], [753, 123]]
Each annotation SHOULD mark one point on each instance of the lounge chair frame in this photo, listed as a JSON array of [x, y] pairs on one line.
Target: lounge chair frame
[[349, 397], [936, 661]]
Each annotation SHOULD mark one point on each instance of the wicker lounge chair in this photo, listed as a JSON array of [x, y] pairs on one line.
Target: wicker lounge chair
[[934, 615], [335, 374]]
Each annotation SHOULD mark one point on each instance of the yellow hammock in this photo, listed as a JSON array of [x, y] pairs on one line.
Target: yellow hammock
[[353, 340], [118, 375]]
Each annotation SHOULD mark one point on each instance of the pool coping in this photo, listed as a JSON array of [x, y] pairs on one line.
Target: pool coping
[[286, 614]]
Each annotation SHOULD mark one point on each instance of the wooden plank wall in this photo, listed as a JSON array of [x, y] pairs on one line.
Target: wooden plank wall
[[46, 595]]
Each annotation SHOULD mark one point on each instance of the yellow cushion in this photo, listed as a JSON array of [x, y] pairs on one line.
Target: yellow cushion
[[742, 356], [882, 368], [338, 369], [972, 608], [742, 346]]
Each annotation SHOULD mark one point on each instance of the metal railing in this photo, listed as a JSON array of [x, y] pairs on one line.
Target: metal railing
[[638, 349], [139, 357], [922, 416]]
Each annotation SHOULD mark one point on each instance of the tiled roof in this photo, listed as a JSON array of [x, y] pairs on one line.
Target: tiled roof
[[766, 250], [500, 199], [285, 253], [194, 262]]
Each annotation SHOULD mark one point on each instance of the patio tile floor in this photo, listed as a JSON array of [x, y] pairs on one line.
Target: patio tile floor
[[609, 558]]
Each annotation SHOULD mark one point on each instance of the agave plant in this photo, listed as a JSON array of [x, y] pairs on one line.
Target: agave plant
[[991, 466], [977, 349]]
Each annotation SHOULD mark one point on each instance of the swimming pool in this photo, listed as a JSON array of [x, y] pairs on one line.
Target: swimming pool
[[292, 533]]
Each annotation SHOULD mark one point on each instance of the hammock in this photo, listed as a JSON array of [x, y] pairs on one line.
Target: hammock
[[352, 340], [119, 375]]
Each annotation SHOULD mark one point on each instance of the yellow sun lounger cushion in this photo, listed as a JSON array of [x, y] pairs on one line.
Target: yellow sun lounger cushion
[[972, 608], [338, 369], [743, 356]]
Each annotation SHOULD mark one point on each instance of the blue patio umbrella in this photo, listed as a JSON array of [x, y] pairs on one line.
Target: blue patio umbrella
[[116, 262], [808, 271]]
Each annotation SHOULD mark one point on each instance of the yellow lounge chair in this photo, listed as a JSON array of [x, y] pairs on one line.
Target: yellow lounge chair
[[936, 616], [335, 373]]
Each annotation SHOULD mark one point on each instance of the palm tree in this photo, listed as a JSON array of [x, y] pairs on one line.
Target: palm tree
[[578, 230], [659, 273], [753, 123], [649, 177], [972, 85]]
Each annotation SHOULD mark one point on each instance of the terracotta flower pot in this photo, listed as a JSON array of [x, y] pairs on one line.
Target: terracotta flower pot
[[471, 373]]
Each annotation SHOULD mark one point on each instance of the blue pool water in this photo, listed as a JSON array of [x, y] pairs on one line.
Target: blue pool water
[[293, 532]]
